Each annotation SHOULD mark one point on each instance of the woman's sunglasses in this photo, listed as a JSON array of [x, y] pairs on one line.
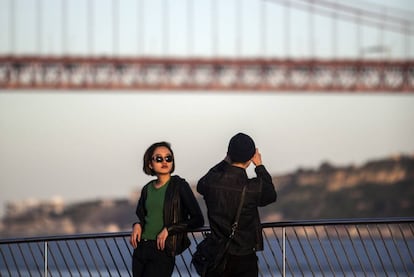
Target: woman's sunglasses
[[159, 159]]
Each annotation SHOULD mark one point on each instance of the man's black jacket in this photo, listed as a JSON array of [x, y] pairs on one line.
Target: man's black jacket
[[221, 188]]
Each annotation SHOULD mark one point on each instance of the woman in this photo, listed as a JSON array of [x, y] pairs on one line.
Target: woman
[[166, 209]]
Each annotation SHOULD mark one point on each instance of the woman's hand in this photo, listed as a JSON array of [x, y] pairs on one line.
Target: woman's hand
[[162, 236], [135, 235]]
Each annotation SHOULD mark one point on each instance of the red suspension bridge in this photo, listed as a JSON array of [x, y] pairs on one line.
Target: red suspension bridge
[[273, 45]]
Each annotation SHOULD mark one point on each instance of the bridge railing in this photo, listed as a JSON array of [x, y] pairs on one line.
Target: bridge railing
[[349, 247]]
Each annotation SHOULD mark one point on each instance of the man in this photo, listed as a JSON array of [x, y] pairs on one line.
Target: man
[[222, 187]]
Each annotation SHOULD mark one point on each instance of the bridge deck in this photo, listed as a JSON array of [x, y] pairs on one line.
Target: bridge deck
[[287, 75]]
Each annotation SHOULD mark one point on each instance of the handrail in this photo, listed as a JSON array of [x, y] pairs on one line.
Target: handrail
[[344, 221], [293, 223]]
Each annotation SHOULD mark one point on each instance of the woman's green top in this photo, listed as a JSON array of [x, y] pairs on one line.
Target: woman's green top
[[154, 204]]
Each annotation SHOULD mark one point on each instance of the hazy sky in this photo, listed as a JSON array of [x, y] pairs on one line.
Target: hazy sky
[[202, 27], [90, 145], [81, 145]]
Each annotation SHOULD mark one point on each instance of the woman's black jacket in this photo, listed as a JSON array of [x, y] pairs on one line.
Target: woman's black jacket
[[181, 212]]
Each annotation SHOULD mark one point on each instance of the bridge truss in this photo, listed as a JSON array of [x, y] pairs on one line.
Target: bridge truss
[[206, 74]]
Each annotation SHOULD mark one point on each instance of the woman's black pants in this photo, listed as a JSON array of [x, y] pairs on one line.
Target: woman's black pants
[[147, 260]]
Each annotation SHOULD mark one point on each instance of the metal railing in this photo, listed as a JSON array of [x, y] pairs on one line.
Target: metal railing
[[349, 247]]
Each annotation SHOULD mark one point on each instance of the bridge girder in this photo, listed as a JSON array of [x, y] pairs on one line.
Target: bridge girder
[[154, 73]]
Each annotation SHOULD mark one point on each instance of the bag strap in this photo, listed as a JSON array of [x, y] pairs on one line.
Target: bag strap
[[236, 220], [235, 224]]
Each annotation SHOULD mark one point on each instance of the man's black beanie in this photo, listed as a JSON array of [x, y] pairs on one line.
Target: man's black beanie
[[241, 148]]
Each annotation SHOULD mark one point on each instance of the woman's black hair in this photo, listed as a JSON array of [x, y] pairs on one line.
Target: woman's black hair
[[150, 152]]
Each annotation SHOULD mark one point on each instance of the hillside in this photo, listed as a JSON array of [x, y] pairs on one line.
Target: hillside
[[381, 188]]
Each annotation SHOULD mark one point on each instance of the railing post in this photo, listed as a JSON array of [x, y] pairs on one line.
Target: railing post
[[284, 250], [45, 275]]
